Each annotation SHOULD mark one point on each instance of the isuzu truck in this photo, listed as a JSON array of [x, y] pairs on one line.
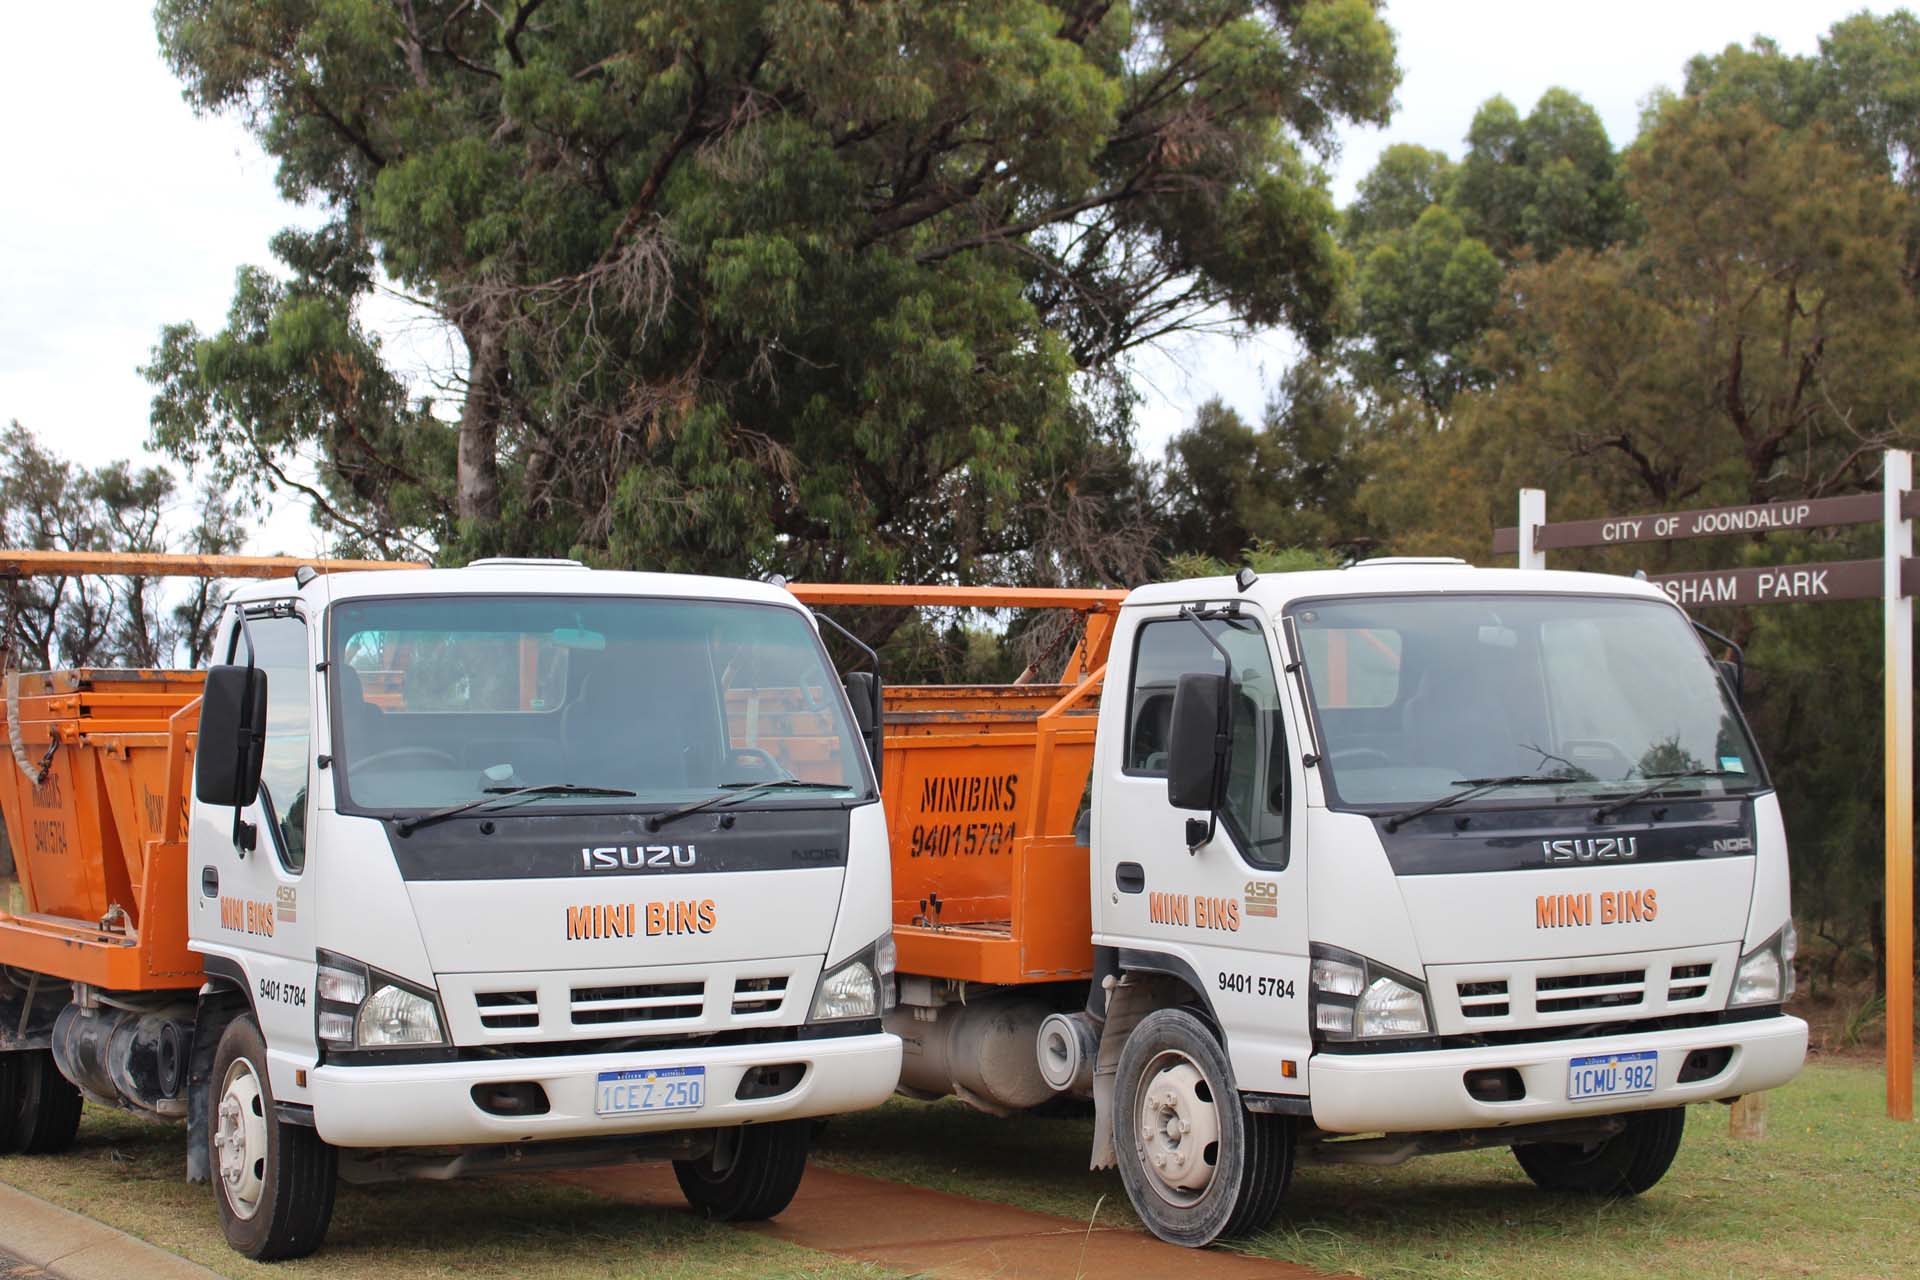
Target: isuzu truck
[[504, 867], [1359, 864]]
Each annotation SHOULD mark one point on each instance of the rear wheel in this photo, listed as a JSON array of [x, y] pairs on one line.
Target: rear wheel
[[1626, 1164], [1197, 1165], [751, 1173], [274, 1182], [39, 1107]]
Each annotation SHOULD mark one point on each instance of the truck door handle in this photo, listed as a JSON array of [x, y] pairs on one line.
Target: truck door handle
[[209, 882], [1130, 877]]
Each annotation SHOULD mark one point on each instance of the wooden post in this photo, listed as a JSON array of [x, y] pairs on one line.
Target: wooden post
[[1899, 722], [1747, 1118]]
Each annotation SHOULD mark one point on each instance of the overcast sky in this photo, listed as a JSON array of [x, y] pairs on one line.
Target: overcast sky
[[122, 211]]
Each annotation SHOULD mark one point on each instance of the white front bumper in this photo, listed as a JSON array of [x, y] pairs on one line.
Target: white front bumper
[[431, 1104], [1424, 1091]]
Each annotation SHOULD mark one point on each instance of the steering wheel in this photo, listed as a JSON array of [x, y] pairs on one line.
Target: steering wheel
[[1380, 758], [419, 753], [757, 756]]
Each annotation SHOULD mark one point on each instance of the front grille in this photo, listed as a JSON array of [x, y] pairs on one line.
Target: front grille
[[1485, 999], [1689, 982], [758, 995], [1568, 993], [508, 1010], [638, 1002]]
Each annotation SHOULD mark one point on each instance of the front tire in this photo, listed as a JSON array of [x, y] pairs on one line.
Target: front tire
[[751, 1174], [274, 1182], [39, 1107], [1197, 1165], [1626, 1164]]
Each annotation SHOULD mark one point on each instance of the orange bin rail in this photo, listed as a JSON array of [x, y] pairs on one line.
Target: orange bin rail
[[982, 787]]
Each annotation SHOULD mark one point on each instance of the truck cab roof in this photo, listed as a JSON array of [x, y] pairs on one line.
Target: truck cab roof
[[1393, 576], [516, 577]]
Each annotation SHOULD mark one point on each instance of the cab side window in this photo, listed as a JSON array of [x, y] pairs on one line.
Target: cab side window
[[1256, 793], [280, 651]]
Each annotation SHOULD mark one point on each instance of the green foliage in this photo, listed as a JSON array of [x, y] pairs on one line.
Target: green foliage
[[1260, 556], [1291, 482], [792, 284]]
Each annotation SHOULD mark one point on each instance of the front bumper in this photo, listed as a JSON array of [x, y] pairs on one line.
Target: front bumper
[[432, 1104], [1425, 1091]]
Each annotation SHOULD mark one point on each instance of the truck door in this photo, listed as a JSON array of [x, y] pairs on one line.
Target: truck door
[[252, 919], [1229, 917]]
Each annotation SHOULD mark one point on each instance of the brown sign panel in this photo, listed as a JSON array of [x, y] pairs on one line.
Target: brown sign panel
[[1778, 584], [1708, 522]]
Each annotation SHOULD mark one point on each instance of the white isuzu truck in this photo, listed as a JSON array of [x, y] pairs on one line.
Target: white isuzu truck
[[1407, 857], [500, 867]]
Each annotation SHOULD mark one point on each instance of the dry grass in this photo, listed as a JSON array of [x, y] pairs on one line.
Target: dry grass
[[130, 1174]]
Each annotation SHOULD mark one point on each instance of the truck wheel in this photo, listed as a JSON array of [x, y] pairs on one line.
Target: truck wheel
[[1197, 1165], [1624, 1165], [274, 1182], [43, 1105], [751, 1173]]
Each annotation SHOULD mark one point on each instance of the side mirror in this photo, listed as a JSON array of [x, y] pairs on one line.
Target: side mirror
[[233, 734], [1735, 674], [864, 694], [1196, 754]]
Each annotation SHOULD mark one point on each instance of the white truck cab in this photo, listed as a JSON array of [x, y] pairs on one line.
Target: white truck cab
[[545, 866], [1415, 856]]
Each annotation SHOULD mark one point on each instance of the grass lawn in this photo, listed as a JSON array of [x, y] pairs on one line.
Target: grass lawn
[[1834, 1190], [130, 1173]]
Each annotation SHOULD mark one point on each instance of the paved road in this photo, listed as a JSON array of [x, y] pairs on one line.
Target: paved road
[[13, 1268], [948, 1237]]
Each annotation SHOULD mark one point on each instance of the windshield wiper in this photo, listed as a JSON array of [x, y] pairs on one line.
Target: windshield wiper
[[1474, 787], [732, 792], [1661, 782], [503, 795]]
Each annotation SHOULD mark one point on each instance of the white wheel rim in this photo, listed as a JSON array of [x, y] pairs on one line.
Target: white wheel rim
[[1179, 1128], [240, 1139]]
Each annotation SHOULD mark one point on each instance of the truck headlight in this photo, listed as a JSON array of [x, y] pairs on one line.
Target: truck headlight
[[1765, 975], [860, 988], [359, 1007], [1355, 998]]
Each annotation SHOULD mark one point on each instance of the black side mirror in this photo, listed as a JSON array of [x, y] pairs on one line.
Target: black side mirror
[[233, 734], [864, 694], [1196, 747], [1735, 674]]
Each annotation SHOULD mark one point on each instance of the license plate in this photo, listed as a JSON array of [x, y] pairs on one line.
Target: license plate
[[618, 1093], [1612, 1075]]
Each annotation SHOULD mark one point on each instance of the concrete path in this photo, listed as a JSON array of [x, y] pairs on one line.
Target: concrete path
[[40, 1239], [930, 1233]]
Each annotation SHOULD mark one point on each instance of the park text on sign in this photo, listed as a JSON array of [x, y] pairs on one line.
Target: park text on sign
[[1778, 584]]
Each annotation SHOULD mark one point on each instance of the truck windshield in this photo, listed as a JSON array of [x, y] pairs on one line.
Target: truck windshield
[[1557, 696], [443, 701]]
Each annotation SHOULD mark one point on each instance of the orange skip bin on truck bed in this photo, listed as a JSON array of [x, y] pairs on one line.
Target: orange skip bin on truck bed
[[99, 841]]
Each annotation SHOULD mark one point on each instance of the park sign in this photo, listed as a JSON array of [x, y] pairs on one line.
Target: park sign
[[1894, 578]]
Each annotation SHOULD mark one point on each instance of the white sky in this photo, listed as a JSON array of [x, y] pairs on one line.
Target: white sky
[[122, 211]]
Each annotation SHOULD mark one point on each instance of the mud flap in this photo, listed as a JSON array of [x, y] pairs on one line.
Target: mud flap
[[1127, 1003]]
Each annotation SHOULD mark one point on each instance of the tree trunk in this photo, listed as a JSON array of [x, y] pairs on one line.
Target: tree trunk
[[477, 467]]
